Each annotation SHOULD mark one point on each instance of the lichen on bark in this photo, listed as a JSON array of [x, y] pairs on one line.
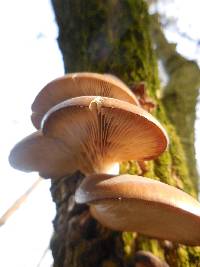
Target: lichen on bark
[[112, 36]]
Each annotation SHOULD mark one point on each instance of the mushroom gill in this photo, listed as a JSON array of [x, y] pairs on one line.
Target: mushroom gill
[[90, 134], [102, 131]]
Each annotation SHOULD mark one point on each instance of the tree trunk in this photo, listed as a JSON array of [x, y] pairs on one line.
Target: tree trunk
[[180, 94], [112, 36]]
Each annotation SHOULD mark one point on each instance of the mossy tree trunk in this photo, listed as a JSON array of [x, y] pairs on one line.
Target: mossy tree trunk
[[180, 94], [112, 36]]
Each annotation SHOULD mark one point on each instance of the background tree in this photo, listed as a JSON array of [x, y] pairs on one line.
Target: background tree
[[113, 36], [180, 94]]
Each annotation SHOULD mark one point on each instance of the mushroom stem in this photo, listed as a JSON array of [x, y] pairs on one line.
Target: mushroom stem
[[110, 169]]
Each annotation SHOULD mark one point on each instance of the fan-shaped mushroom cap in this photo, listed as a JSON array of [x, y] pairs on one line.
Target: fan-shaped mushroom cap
[[78, 84], [135, 203], [46, 155], [101, 131], [89, 134]]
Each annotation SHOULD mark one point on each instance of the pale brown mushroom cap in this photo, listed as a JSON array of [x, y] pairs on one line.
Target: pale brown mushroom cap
[[89, 134], [135, 203], [79, 84], [102, 131], [46, 155]]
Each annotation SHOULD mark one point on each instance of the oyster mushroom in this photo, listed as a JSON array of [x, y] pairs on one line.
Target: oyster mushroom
[[147, 206], [92, 134], [79, 84], [38, 153]]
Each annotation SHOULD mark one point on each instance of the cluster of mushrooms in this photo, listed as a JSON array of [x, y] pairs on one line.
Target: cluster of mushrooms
[[92, 122]]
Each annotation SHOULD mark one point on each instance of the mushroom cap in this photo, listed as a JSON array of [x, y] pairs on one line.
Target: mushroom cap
[[147, 206], [77, 84], [46, 155], [101, 131], [89, 134]]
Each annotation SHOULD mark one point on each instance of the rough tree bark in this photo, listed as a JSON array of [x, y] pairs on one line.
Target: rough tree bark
[[112, 36]]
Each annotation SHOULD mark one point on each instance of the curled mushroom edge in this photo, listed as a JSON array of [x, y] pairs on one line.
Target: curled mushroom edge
[[138, 204]]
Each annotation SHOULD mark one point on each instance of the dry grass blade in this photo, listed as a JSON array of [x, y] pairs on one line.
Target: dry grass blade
[[43, 256], [18, 202]]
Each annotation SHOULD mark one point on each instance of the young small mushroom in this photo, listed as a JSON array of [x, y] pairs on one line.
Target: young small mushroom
[[93, 135], [147, 206], [79, 84]]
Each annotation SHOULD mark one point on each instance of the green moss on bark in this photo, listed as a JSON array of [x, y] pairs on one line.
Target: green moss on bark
[[180, 94]]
